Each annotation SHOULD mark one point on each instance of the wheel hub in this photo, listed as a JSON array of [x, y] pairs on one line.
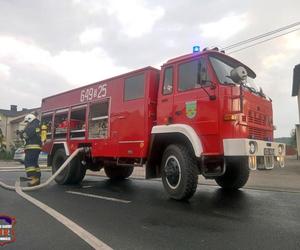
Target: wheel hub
[[173, 172]]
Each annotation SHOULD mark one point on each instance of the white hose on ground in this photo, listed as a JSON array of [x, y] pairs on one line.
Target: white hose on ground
[[63, 166]]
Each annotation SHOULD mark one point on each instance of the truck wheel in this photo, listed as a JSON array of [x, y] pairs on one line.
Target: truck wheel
[[236, 174], [79, 171], [73, 174], [118, 172], [179, 172]]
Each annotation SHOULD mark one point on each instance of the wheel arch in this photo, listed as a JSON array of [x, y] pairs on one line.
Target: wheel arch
[[55, 147], [165, 135]]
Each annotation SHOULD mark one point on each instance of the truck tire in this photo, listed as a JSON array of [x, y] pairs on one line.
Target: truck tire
[[179, 172], [117, 172], [235, 176], [73, 174], [79, 172]]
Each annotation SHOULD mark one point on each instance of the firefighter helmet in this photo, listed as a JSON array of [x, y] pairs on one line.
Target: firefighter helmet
[[29, 118]]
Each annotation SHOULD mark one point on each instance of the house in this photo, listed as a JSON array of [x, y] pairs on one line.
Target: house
[[10, 121]]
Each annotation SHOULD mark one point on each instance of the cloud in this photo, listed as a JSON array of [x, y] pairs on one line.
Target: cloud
[[76, 67], [135, 17], [91, 36], [272, 61], [293, 41], [225, 27], [22, 51], [79, 67], [29, 85], [46, 48], [4, 72]]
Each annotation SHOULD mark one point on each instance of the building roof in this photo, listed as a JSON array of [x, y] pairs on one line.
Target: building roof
[[296, 80], [18, 119], [14, 113]]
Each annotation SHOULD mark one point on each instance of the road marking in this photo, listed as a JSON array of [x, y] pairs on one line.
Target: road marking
[[82, 233], [22, 167], [98, 197], [22, 170], [86, 186], [12, 170]]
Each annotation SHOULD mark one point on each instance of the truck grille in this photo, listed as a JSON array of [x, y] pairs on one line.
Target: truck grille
[[257, 118], [257, 133]]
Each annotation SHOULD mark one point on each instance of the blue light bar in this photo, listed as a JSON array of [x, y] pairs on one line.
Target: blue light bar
[[196, 49]]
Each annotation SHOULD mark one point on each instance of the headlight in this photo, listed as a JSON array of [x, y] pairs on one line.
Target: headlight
[[253, 147], [280, 149]]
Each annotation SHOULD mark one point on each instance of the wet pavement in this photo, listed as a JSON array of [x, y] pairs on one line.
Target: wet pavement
[[212, 219]]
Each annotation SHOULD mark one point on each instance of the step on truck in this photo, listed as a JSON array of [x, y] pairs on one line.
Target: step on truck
[[200, 114]]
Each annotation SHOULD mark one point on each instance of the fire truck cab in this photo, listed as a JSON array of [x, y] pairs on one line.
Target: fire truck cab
[[199, 114]]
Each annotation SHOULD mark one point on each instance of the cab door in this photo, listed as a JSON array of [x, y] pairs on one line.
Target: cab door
[[166, 97], [196, 102]]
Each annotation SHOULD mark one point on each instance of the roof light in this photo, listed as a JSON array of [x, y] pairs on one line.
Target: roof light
[[196, 49]]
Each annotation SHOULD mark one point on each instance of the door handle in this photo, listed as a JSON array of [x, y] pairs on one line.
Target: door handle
[[164, 100], [121, 117], [178, 112]]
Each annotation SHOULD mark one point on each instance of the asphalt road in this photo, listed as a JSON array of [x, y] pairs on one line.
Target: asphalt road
[[142, 217]]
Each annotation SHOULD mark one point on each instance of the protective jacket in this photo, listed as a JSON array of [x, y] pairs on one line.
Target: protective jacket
[[32, 135]]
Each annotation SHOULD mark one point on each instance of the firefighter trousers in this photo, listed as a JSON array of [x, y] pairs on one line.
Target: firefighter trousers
[[31, 163]]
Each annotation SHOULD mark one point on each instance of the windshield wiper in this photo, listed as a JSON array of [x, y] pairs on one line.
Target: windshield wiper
[[229, 83], [253, 90], [261, 93]]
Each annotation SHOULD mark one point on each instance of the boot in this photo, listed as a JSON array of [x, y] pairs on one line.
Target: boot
[[24, 178], [34, 182]]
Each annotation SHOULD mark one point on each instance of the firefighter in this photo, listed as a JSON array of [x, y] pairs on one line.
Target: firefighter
[[33, 143]]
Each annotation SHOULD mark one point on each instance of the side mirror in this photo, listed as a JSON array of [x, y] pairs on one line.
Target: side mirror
[[238, 75]]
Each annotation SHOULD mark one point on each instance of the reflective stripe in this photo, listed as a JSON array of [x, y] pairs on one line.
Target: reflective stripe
[[37, 169], [33, 146], [30, 169]]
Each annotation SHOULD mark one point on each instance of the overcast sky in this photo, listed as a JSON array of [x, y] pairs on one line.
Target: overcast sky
[[51, 46]]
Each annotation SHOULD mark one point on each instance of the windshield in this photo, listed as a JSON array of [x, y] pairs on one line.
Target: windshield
[[223, 70]]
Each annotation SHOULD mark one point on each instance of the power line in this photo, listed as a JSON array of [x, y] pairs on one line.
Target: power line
[[252, 39], [271, 38]]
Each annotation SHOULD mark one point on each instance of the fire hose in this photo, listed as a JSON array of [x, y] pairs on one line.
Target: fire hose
[[62, 167], [82, 233]]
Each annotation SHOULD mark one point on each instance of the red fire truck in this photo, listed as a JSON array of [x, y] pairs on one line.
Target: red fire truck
[[200, 114]]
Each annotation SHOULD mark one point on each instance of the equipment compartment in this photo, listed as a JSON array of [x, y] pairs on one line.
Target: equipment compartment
[[77, 123], [60, 125], [98, 120]]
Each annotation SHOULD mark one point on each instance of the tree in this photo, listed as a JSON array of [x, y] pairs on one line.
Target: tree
[[2, 143]]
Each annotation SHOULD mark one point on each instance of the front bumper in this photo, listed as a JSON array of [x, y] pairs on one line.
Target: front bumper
[[260, 154]]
